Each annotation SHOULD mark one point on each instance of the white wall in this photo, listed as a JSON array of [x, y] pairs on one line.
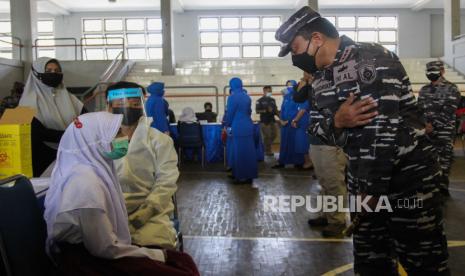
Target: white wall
[[10, 72], [437, 33]]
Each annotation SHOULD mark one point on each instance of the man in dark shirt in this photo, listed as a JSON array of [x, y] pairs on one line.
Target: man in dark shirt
[[208, 114], [266, 107], [366, 106]]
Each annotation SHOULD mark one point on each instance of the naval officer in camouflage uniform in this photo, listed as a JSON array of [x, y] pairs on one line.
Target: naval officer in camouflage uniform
[[439, 101], [366, 106]]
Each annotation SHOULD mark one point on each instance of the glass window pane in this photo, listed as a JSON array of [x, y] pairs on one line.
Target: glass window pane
[[230, 37], [209, 52], [155, 53], [230, 23], [251, 51], [5, 27], [137, 53], [387, 36], [46, 53], [93, 39], [155, 39], [136, 39], [268, 37], [250, 37], [346, 22], [331, 19], [113, 53], [8, 55], [45, 40], [387, 22], [367, 36], [113, 39], [4, 42], [350, 34], [271, 22], [250, 23], [392, 48], [113, 25], [92, 25], [209, 38], [366, 22], [135, 24], [45, 26], [93, 54], [154, 24], [271, 51], [230, 52], [208, 23]]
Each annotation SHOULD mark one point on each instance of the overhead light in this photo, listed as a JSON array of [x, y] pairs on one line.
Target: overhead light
[[112, 1]]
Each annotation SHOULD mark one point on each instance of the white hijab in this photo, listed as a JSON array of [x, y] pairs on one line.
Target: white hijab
[[56, 107], [188, 115], [87, 176]]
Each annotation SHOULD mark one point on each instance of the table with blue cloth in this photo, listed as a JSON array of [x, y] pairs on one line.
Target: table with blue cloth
[[214, 147]]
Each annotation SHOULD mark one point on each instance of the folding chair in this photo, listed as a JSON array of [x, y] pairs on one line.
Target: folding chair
[[177, 227], [22, 229]]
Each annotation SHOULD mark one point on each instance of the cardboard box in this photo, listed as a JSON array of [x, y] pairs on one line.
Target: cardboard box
[[15, 142]]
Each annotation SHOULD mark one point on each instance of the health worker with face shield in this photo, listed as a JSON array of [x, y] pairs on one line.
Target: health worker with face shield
[[148, 172]]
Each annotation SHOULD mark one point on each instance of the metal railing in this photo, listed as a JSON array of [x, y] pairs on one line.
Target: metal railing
[[36, 45], [19, 43], [217, 102], [79, 47], [249, 85]]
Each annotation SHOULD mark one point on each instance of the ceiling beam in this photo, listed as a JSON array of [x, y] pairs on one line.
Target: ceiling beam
[[47, 6], [420, 4]]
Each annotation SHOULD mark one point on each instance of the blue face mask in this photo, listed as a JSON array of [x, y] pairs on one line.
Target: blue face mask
[[120, 148]]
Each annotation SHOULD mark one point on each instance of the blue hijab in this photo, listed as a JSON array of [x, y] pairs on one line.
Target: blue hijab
[[156, 106]]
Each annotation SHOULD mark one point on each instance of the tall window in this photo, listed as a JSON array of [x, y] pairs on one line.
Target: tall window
[[45, 29], [104, 36], [379, 29], [45, 34], [238, 37]]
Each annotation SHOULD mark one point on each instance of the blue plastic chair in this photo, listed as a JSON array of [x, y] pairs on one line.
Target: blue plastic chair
[[22, 230], [190, 136]]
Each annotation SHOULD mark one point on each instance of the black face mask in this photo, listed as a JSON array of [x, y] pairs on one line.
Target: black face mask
[[131, 115], [49, 79], [305, 61], [433, 77]]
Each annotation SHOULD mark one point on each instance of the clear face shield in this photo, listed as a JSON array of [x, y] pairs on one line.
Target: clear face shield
[[129, 102]]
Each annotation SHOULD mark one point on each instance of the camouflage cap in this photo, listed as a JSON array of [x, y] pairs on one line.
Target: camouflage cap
[[288, 30], [434, 67]]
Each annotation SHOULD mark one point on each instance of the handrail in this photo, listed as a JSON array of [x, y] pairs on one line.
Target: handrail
[[249, 85], [217, 101], [111, 68], [36, 46], [459, 36]]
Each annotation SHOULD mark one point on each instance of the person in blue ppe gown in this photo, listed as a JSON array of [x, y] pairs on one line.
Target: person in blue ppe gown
[[302, 141], [157, 108], [244, 167], [289, 110]]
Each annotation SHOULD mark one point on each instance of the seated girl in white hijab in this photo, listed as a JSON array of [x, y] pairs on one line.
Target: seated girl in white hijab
[[55, 110], [86, 217], [188, 115]]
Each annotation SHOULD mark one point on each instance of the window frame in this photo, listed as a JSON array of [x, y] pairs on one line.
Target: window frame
[[376, 28], [123, 34], [240, 30]]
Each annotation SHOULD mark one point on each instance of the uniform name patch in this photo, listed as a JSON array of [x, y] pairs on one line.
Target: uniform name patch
[[345, 72]]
